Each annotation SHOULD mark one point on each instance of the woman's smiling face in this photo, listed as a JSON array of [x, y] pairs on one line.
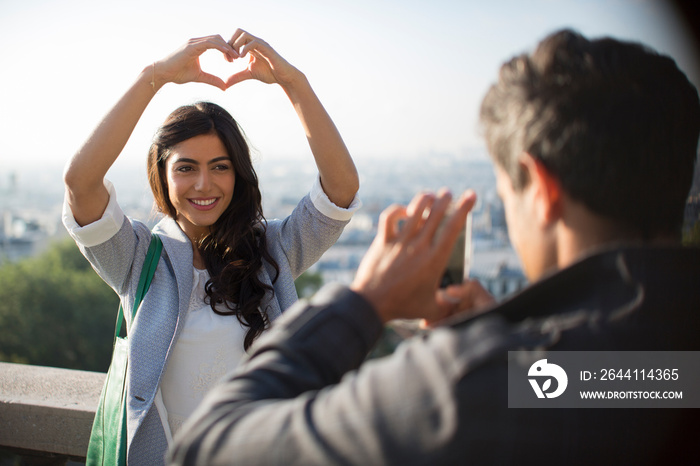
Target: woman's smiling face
[[200, 179]]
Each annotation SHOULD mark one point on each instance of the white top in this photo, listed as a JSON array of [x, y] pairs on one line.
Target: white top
[[209, 346]]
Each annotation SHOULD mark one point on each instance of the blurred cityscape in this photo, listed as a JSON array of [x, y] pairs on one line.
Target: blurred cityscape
[[31, 202]]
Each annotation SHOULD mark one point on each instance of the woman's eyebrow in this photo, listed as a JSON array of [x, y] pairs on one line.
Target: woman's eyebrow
[[219, 159], [185, 160], [195, 162]]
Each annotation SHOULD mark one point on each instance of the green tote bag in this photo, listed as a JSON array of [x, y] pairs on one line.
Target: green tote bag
[[107, 445]]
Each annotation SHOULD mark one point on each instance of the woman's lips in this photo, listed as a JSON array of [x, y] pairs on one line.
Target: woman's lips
[[204, 204]]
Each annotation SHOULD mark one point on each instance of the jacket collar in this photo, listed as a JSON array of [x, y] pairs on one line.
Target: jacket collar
[[178, 253], [604, 286]]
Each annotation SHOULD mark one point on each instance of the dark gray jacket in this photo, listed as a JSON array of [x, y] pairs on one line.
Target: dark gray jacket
[[442, 398]]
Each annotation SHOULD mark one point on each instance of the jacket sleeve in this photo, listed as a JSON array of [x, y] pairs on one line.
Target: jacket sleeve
[[114, 245], [297, 401], [313, 227]]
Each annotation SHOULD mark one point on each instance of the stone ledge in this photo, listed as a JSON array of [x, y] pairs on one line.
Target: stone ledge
[[46, 409]]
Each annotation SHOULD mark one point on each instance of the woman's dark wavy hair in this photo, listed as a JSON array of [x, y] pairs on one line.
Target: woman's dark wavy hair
[[235, 248]]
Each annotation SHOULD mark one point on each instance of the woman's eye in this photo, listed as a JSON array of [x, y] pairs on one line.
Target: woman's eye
[[222, 167], [183, 169]]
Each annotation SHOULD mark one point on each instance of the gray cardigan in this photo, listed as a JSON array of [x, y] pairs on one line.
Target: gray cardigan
[[295, 243]]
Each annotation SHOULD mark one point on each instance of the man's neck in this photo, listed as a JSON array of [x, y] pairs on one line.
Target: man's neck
[[582, 233]]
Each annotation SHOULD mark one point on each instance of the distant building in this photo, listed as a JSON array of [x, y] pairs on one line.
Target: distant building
[[20, 237], [503, 281], [497, 267]]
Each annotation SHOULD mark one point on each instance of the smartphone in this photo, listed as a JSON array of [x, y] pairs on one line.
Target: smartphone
[[457, 269]]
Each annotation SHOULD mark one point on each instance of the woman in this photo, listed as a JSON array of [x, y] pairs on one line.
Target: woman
[[225, 272]]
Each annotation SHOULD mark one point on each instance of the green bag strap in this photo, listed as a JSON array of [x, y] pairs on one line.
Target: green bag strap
[[147, 272]]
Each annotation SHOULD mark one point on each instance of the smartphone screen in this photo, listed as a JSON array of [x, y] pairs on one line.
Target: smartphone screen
[[457, 269]]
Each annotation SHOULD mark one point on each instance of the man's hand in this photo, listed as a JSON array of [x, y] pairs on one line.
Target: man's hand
[[468, 297], [400, 274]]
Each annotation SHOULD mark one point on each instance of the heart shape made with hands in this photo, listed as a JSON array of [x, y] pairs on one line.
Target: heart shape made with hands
[[214, 62]]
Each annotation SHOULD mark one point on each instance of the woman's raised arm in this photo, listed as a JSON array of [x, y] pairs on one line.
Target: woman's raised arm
[[338, 173], [85, 172]]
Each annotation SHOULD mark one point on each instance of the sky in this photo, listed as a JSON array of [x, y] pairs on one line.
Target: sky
[[401, 78]]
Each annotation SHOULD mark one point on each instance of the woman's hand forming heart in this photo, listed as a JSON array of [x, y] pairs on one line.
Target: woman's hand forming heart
[[183, 66], [265, 64]]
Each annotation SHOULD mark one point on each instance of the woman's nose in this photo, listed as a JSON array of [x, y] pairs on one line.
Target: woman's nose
[[203, 181]]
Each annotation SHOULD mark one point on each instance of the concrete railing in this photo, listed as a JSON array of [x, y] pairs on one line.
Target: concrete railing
[[46, 413]]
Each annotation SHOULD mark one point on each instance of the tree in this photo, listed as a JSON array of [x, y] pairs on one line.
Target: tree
[[308, 283], [56, 311]]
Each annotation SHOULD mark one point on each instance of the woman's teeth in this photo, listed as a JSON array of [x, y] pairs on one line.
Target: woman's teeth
[[204, 202]]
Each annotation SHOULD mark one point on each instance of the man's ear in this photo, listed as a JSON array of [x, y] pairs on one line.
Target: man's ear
[[545, 188]]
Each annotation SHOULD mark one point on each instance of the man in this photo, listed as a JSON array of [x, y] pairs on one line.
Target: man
[[594, 144]]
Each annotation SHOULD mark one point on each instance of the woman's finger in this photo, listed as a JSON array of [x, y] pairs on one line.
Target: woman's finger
[[238, 77], [240, 40], [236, 35], [224, 47], [249, 46], [202, 44], [215, 81]]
